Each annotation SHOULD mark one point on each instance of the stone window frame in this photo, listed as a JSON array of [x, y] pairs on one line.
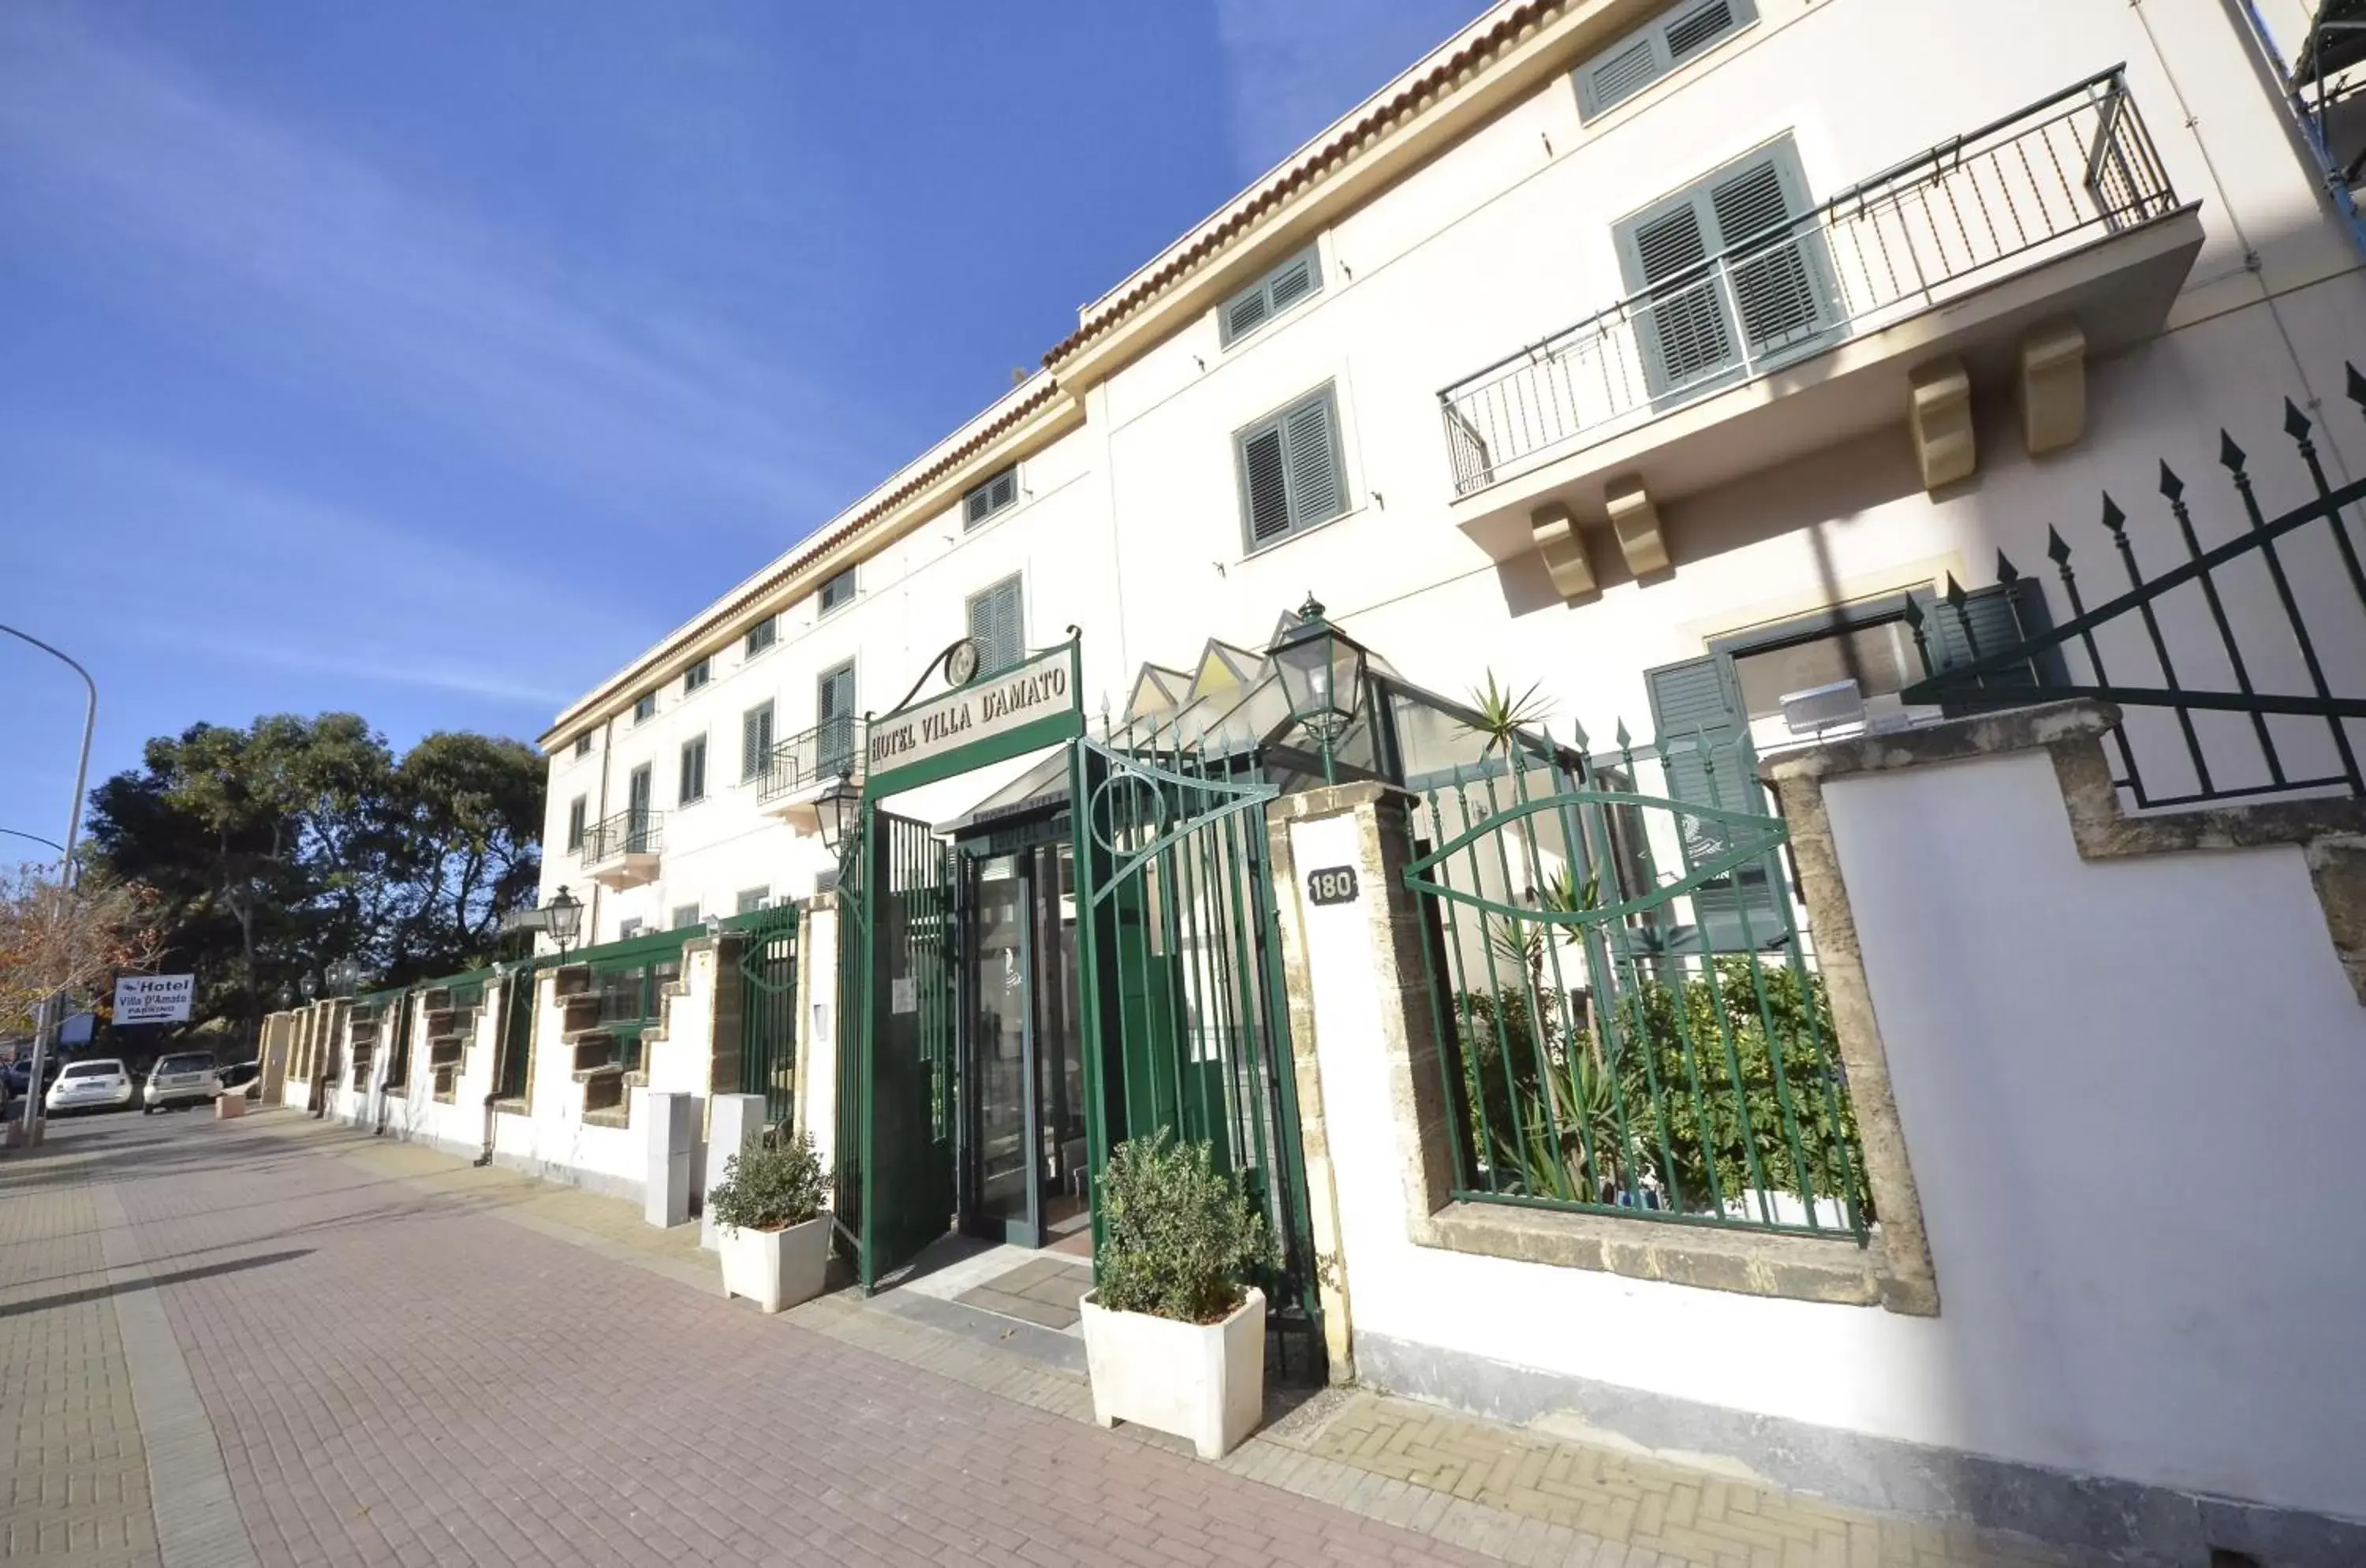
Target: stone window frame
[[1894, 1270]]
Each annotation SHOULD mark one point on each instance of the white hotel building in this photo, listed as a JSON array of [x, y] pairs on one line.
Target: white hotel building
[[1675, 359]]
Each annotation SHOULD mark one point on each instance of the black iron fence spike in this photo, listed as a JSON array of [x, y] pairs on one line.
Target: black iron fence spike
[[1954, 592], [2229, 454], [2057, 549], [2355, 386], [1621, 736], [2113, 518], [1913, 611], [2297, 424], [2006, 571], [2170, 485]]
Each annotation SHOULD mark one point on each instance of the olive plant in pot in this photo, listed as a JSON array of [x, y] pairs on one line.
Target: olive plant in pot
[[771, 1222], [1173, 1331]]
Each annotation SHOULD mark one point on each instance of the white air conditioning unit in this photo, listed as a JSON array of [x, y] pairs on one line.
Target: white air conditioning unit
[[1820, 708]]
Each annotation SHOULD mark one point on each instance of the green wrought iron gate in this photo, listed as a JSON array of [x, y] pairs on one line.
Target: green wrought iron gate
[[1609, 1043], [1186, 1022], [896, 1113], [768, 1009]]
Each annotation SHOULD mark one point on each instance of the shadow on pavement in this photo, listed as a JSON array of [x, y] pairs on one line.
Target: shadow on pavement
[[177, 1277]]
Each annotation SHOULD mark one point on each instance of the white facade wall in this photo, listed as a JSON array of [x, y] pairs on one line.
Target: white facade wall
[[1130, 527], [1501, 242], [2146, 1261], [912, 601]]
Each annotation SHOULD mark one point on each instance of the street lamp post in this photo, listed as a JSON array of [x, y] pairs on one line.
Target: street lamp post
[[562, 919], [45, 1025], [838, 814], [1322, 675]]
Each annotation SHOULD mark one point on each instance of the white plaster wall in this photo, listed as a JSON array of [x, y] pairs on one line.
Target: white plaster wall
[[818, 1033], [1507, 237], [2127, 1091]]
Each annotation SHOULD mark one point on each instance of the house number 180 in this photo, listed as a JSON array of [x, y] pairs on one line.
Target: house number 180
[[1332, 885]]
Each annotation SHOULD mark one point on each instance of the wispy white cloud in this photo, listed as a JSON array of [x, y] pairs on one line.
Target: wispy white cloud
[[1293, 66], [201, 563], [140, 181]]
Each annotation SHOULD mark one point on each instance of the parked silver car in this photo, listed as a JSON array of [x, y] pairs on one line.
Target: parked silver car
[[184, 1078], [98, 1084]]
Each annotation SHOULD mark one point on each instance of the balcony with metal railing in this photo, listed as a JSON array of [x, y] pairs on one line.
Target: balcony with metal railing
[[800, 769], [1805, 333], [622, 850]]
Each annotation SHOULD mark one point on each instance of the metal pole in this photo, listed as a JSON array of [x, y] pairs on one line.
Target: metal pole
[[35, 838], [49, 1018]]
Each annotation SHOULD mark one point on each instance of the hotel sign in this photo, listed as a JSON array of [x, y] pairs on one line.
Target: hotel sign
[[1032, 705]]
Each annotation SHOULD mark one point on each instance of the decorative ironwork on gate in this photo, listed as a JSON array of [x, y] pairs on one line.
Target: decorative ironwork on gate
[[896, 1118], [768, 1004], [1188, 1024], [2280, 605], [1602, 1049]]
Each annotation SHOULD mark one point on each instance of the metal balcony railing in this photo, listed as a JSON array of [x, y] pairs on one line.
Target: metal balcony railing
[[625, 833], [2071, 167], [818, 755]]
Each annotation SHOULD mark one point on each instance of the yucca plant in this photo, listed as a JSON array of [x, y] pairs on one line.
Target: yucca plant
[[1502, 713]]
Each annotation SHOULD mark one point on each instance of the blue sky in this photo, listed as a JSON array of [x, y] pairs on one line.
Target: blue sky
[[430, 360]]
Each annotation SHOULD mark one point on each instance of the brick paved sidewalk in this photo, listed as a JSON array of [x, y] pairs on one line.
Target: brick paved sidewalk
[[434, 1363]]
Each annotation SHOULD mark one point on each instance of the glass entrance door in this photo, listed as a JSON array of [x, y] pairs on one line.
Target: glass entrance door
[[1023, 1052], [1001, 1139]]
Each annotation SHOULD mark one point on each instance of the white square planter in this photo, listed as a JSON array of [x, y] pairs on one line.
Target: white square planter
[[775, 1268], [1204, 1382]]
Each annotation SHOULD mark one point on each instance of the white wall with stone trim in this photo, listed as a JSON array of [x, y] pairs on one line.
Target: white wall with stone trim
[[2125, 1089]]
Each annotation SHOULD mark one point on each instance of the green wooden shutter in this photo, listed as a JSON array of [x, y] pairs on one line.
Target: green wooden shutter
[[1635, 61], [693, 771], [994, 626], [1698, 723], [834, 705], [1774, 271], [755, 741], [1295, 279], [1265, 484], [1680, 328], [575, 823], [1310, 432], [2000, 616]]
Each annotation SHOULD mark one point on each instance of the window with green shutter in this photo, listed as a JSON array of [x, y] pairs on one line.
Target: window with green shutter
[[834, 717], [583, 744], [752, 899], [838, 592], [693, 771], [685, 915], [995, 627], [1293, 283], [762, 634], [982, 501], [1658, 46], [1698, 728], [1292, 474], [576, 813], [1725, 282], [645, 707], [755, 741], [697, 675]]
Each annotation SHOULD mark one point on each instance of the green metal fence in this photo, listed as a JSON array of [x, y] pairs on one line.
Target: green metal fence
[[1188, 1025], [514, 1058], [1620, 1033], [767, 1002], [630, 979]]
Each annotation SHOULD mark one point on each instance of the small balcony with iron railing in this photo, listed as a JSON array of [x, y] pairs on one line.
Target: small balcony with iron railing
[[799, 771], [622, 850], [2045, 238]]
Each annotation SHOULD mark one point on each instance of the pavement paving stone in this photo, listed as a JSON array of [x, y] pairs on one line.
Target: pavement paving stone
[[403, 1359]]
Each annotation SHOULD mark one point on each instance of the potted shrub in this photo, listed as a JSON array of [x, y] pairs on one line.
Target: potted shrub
[[1174, 1333], [771, 1222]]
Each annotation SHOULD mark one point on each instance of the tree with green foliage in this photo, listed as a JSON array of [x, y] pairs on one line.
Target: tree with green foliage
[[279, 848]]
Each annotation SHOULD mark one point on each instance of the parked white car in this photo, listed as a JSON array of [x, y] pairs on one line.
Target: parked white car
[[99, 1084], [186, 1077]]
